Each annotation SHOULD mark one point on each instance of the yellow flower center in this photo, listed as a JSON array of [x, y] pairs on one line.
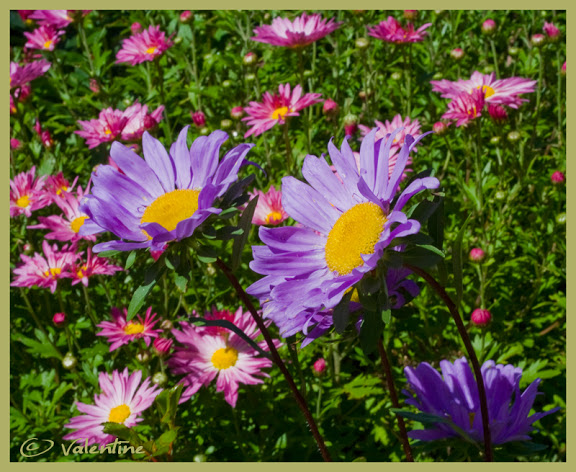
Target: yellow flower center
[[107, 132], [119, 414], [134, 328], [77, 223], [171, 208], [488, 91], [53, 271], [151, 50], [80, 273], [23, 201], [279, 113], [273, 217], [224, 358], [47, 44], [61, 189], [355, 233]]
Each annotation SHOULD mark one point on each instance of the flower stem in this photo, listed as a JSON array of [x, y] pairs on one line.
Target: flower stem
[[85, 44], [276, 358], [495, 57], [88, 307], [559, 98], [394, 397], [472, 355], [167, 127], [38, 323], [289, 156]]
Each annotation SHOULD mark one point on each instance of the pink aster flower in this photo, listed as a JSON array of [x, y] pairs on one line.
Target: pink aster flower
[[221, 354], [551, 30], [20, 75], [384, 129], [56, 185], [269, 210], [139, 120], [121, 332], [45, 270], [465, 107], [106, 128], [94, 265], [123, 400], [501, 92], [44, 37], [498, 113], [26, 194], [275, 108], [304, 30], [143, 46], [24, 14], [391, 31]]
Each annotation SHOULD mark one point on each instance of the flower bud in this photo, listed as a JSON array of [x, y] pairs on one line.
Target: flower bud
[[204, 131], [350, 124], [199, 118], [143, 357], [69, 361], [167, 325], [477, 254], [250, 59], [481, 317], [162, 346], [249, 77], [225, 124], [513, 51], [563, 69], [226, 84], [210, 270], [330, 108], [457, 54], [94, 86], [58, 319], [237, 113], [440, 128], [500, 195], [362, 95], [551, 31], [561, 218], [186, 16], [497, 113], [494, 139], [159, 378], [136, 28], [410, 15], [489, 27], [558, 177], [200, 458], [14, 143], [396, 75], [513, 136], [538, 40], [319, 366], [362, 43]]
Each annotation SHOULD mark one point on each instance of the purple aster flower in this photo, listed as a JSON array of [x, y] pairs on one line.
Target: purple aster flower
[[347, 225], [163, 197], [454, 395]]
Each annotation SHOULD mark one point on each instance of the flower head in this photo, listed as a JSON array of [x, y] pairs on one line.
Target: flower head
[[465, 107], [59, 318], [319, 366], [106, 128], [551, 31], [391, 31], [162, 346], [477, 254], [237, 113], [489, 26], [21, 75], [121, 332], [454, 396], [26, 193], [330, 108], [558, 177], [269, 210], [346, 226], [501, 91], [44, 37], [481, 317], [304, 30], [45, 270], [208, 354], [274, 109], [199, 118], [122, 401], [93, 265], [145, 46], [139, 120], [165, 196], [57, 18]]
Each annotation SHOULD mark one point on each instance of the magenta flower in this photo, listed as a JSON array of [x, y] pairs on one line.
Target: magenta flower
[[304, 30], [15, 144], [106, 128], [45, 270], [26, 194], [384, 129], [162, 346], [59, 318], [498, 113], [44, 37], [558, 177], [440, 128], [199, 118], [489, 26], [319, 366], [21, 75], [391, 31], [57, 18], [465, 107], [269, 210], [94, 265], [56, 184], [145, 46], [477, 254], [480, 317], [121, 332], [122, 401], [551, 30], [501, 92], [209, 353], [139, 120], [275, 108]]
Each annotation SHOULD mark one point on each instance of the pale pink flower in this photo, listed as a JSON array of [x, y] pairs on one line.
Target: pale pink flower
[[221, 354], [384, 129], [501, 91], [123, 400], [274, 109], [391, 31], [269, 210], [465, 107], [121, 332], [44, 37], [45, 270], [94, 265], [145, 46], [304, 30], [26, 194], [21, 75], [139, 120], [57, 18]]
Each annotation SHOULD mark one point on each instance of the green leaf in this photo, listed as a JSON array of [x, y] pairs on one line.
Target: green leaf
[[141, 292], [363, 386], [457, 261], [370, 331], [341, 313], [130, 260], [386, 316], [109, 253], [206, 254], [245, 224]]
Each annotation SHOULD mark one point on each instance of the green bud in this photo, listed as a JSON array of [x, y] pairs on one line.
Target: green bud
[[561, 218]]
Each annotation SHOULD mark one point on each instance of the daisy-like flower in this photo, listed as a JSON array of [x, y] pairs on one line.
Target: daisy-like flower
[[465, 107], [304, 30], [346, 226], [26, 193], [163, 197], [500, 92], [454, 396], [121, 332], [56, 18], [21, 75], [391, 31], [123, 400], [94, 265], [66, 227], [269, 209], [106, 128], [139, 120], [145, 46], [275, 108], [45, 270], [218, 353], [56, 185], [44, 37]]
